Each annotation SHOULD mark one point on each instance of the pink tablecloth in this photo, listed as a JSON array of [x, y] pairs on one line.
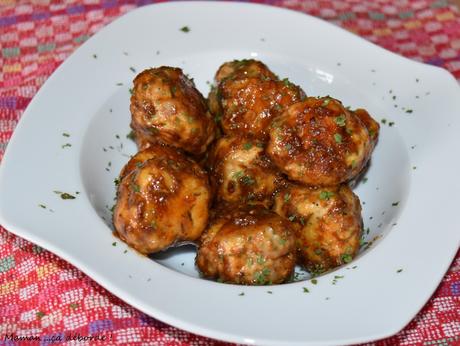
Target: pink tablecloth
[[42, 296]]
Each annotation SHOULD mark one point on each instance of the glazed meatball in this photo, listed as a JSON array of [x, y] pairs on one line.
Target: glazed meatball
[[236, 69], [327, 222], [249, 104], [251, 246], [243, 68], [240, 171], [166, 107], [163, 198], [319, 142], [372, 126]]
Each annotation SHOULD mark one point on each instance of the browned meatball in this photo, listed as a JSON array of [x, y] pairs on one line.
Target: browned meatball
[[163, 198], [235, 69], [251, 246], [249, 104], [372, 126], [243, 68], [319, 142], [241, 172], [327, 221], [166, 107]]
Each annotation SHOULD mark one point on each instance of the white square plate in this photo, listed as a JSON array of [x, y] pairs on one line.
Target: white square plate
[[72, 138]]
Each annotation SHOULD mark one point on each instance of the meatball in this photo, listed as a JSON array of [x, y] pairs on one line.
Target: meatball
[[166, 107], [327, 222], [372, 126], [163, 198], [235, 69], [240, 171], [319, 142], [243, 68], [249, 104], [251, 246]]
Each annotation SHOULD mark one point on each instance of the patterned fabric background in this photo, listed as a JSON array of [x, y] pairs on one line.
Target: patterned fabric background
[[42, 295]]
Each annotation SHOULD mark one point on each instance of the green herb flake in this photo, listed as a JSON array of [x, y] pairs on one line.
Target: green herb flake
[[270, 292], [383, 121], [136, 188], [326, 102], [394, 204], [130, 135], [95, 56], [248, 180], [126, 251], [338, 138], [260, 259], [42, 206], [291, 218], [364, 180], [247, 146], [119, 84], [185, 29], [65, 195], [305, 290], [391, 123], [237, 175], [114, 243], [132, 69], [314, 281], [67, 145], [65, 134], [40, 314], [340, 120], [288, 146], [325, 195], [409, 111], [347, 258], [302, 220], [399, 270], [131, 91], [287, 197], [73, 306]]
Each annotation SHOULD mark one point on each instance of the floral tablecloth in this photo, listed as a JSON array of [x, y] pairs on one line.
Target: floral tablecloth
[[49, 301]]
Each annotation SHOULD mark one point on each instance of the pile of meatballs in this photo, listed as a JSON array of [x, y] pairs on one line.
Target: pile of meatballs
[[257, 176]]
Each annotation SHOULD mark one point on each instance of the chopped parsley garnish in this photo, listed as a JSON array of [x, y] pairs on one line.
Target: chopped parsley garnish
[[95, 56], [399, 271], [67, 145], [119, 84], [314, 281], [73, 306], [42, 206], [248, 180], [347, 258], [260, 259], [365, 179], [383, 121], [114, 243], [338, 138], [286, 82], [132, 69], [40, 314], [288, 146], [394, 204], [185, 29], [340, 120], [237, 175], [409, 111], [130, 135], [65, 134], [131, 91], [287, 197], [64, 195], [325, 195], [305, 290], [291, 218], [326, 102], [136, 188], [241, 294], [270, 292], [391, 123], [247, 146]]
